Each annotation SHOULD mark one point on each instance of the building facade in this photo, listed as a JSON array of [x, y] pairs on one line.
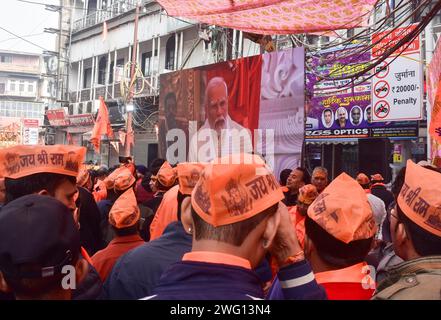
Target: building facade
[[23, 97], [101, 50]]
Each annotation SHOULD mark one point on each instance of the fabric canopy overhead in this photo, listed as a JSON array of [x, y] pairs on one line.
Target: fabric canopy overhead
[[274, 16]]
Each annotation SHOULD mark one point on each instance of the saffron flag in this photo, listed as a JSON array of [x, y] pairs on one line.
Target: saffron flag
[[275, 16], [102, 126]]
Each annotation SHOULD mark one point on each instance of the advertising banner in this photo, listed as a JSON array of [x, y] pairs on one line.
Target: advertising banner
[[57, 117], [258, 100], [10, 131], [397, 92], [30, 131], [336, 109]]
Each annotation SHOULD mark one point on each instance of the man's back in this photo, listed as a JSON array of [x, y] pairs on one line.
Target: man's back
[[418, 279], [137, 272]]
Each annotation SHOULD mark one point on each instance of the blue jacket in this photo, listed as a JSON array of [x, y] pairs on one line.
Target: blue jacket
[[137, 272], [190, 280]]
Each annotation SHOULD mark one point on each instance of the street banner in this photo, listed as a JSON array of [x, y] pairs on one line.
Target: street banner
[[259, 99], [10, 132], [30, 131], [397, 90], [339, 109]]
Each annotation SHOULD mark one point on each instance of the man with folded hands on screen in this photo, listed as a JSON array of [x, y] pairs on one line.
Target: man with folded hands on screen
[[220, 135]]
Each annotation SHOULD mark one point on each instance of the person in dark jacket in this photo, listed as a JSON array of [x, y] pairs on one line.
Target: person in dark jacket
[[237, 216], [49, 241]]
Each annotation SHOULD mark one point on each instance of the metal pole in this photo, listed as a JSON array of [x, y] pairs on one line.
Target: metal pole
[[429, 42], [127, 151]]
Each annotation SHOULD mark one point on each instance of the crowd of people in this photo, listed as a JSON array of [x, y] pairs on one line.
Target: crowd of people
[[218, 230]]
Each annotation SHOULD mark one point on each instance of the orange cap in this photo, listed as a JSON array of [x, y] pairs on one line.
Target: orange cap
[[109, 181], [230, 193], [167, 175], [188, 175], [307, 194], [124, 212], [83, 176], [377, 177], [124, 179], [419, 198], [343, 210], [21, 161], [362, 179]]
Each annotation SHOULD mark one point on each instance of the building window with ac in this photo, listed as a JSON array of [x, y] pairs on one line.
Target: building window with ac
[[80, 108], [2, 88], [170, 53], [87, 78], [119, 63], [102, 65], [70, 109], [145, 63], [89, 107]]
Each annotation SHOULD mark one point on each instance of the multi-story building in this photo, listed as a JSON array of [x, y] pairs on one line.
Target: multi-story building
[[22, 100], [101, 47]]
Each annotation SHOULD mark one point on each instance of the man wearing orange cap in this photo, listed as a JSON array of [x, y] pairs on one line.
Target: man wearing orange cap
[[339, 234], [307, 194], [319, 178], [231, 237], [378, 189], [49, 171], [124, 219], [89, 214], [136, 273], [415, 228], [165, 204], [119, 181]]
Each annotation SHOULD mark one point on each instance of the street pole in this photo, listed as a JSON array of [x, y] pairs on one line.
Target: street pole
[[428, 35], [127, 151]]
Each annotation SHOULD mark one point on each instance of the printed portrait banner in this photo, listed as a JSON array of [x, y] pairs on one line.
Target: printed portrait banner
[[333, 113], [258, 100]]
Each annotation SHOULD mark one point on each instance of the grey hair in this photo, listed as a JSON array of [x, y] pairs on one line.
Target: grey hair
[[212, 83], [322, 169]]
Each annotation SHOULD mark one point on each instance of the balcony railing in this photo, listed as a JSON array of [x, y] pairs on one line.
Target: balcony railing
[[106, 91], [100, 16]]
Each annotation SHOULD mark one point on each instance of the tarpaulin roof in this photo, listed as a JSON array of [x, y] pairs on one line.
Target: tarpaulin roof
[[274, 16]]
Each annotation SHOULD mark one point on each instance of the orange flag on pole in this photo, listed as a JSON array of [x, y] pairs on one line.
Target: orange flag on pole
[[102, 126]]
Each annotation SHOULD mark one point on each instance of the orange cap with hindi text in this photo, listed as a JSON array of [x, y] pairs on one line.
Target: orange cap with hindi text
[[419, 198], [188, 175], [228, 192], [123, 179], [124, 212], [167, 175], [343, 210], [83, 176], [21, 161]]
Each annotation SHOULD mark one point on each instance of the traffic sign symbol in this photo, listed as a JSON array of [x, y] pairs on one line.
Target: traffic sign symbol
[[382, 109], [382, 70], [381, 89]]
